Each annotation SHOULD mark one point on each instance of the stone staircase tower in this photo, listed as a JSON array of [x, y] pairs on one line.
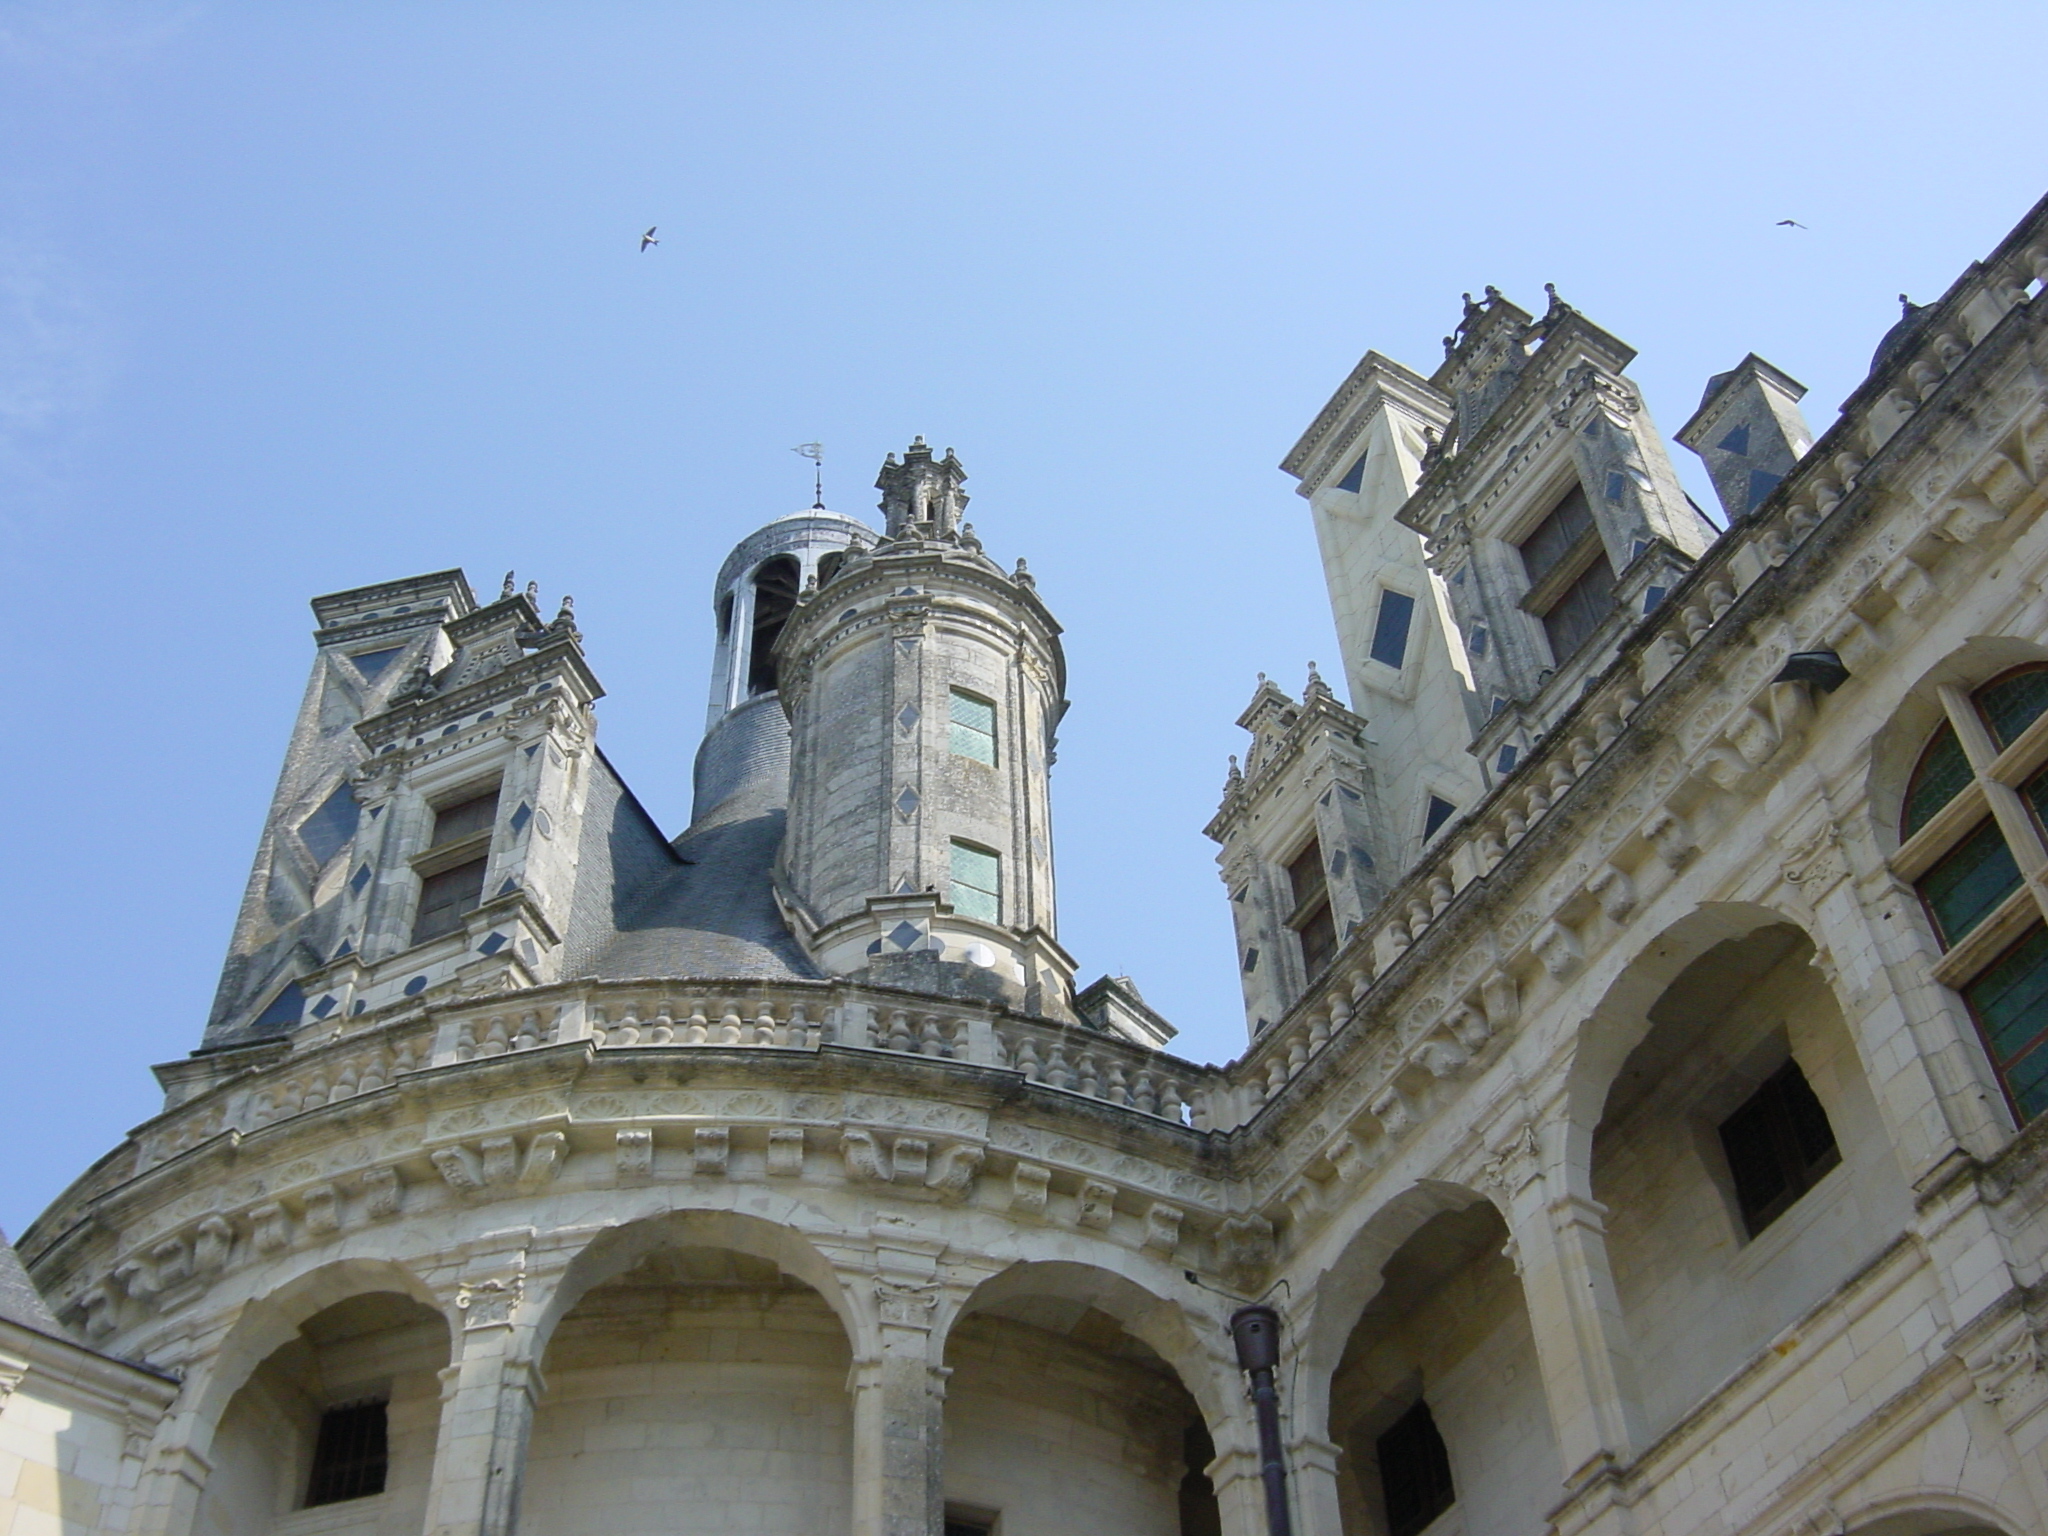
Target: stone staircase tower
[[924, 686]]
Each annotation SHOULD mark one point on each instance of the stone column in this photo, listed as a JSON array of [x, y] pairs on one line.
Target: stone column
[[899, 1405], [487, 1401], [1560, 1251], [1312, 1486]]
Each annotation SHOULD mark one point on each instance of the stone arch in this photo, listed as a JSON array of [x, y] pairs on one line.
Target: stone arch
[[615, 1250], [1155, 1319], [1344, 1287], [1895, 746], [1931, 1512], [1102, 1358], [1634, 979], [270, 1321]]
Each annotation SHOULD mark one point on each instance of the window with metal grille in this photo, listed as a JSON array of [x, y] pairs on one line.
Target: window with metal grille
[[972, 723], [1390, 628], [977, 882], [1779, 1144], [351, 1454], [1415, 1472], [446, 896], [1312, 920], [1970, 829], [1571, 583]]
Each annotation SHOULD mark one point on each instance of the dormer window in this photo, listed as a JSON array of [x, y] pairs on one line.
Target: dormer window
[[452, 869], [1571, 584], [1312, 920]]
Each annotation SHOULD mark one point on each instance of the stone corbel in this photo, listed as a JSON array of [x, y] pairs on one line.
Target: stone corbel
[[1245, 1248], [633, 1154], [1029, 1185], [1162, 1228], [862, 1157], [909, 1160], [1616, 893], [545, 1155], [711, 1151], [500, 1159], [1667, 832], [1558, 948], [786, 1152], [459, 1168], [1393, 1111], [270, 1227], [1095, 1206], [953, 1171], [380, 1193], [211, 1243], [321, 1210]]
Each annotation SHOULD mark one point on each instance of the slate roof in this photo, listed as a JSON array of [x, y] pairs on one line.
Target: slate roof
[[20, 1302]]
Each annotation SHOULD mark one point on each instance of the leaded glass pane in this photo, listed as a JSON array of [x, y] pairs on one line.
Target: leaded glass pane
[[972, 723], [2010, 1001], [1942, 775], [2013, 703], [1969, 882], [977, 883]]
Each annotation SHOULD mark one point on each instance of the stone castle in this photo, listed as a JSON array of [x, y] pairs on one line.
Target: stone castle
[[1646, 979]]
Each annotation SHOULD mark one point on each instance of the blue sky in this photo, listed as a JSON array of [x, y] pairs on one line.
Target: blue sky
[[296, 297]]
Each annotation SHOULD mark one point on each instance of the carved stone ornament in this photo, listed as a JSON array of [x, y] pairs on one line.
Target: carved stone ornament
[[903, 1305], [1515, 1166], [490, 1303]]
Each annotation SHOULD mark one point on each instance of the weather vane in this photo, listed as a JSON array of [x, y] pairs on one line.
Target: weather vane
[[815, 452]]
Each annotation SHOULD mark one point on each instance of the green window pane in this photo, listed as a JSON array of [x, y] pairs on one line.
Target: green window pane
[[1942, 775], [2014, 703], [977, 883], [972, 723], [2036, 792], [2010, 1001], [1963, 889]]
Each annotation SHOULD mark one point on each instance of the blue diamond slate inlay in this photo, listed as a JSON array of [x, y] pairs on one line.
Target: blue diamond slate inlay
[[851, 613], [1652, 596], [1354, 477], [907, 718], [1616, 484], [493, 944], [1479, 640], [533, 749], [346, 949], [332, 827], [416, 986], [508, 887], [544, 687], [875, 948], [907, 802], [285, 1008], [372, 663], [521, 817], [359, 1007], [452, 729], [359, 879], [377, 810], [903, 935], [1761, 483], [489, 714], [1337, 862], [1347, 791], [1506, 761], [1736, 441], [325, 1006]]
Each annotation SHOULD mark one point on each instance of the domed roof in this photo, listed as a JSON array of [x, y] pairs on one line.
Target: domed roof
[[1903, 330]]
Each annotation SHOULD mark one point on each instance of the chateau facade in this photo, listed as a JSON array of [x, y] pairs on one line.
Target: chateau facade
[[1646, 980]]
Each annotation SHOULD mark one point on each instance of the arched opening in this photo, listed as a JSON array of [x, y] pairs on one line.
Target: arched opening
[[1738, 1153], [1437, 1400], [340, 1418], [828, 565], [775, 593], [691, 1386], [1061, 1417]]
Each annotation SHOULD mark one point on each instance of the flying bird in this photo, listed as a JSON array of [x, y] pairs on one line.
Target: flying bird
[[1782, 223], [648, 239]]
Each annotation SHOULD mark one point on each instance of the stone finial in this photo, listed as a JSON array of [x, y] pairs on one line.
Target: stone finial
[[968, 541], [1317, 688], [508, 589], [1023, 576], [533, 593], [921, 497], [1233, 781]]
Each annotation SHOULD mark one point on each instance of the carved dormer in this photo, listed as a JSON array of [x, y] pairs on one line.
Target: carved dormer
[[1554, 517], [1300, 838], [921, 497]]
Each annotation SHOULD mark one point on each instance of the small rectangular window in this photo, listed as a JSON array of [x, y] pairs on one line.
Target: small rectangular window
[[1415, 1472], [977, 883], [1779, 1144], [1570, 621], [1312, 919], [1571, 583], [351, 1454], [466, 818], [972, 722], [446, 897], [1390, 629]]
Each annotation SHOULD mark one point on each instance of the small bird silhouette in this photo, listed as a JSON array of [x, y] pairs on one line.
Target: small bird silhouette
[[1782, 223], [648, 239]]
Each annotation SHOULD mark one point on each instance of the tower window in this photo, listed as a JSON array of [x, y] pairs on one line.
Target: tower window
[[465, 819], [1390, 629], [1312, 920], [1571, 584], [775, 592], [452, 869], [351, 1455], [977, 882], [972, 722], [1779, 1144], [446, 897], [1415, 1472]]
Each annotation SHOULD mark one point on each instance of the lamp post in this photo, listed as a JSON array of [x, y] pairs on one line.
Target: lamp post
[[1256, 1332]]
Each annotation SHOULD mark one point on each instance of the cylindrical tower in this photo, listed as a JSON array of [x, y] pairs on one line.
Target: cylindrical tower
[[924, 687], [745, 751]]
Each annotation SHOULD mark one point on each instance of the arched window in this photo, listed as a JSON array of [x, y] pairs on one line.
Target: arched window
[[775, 590], [1971, 832]]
